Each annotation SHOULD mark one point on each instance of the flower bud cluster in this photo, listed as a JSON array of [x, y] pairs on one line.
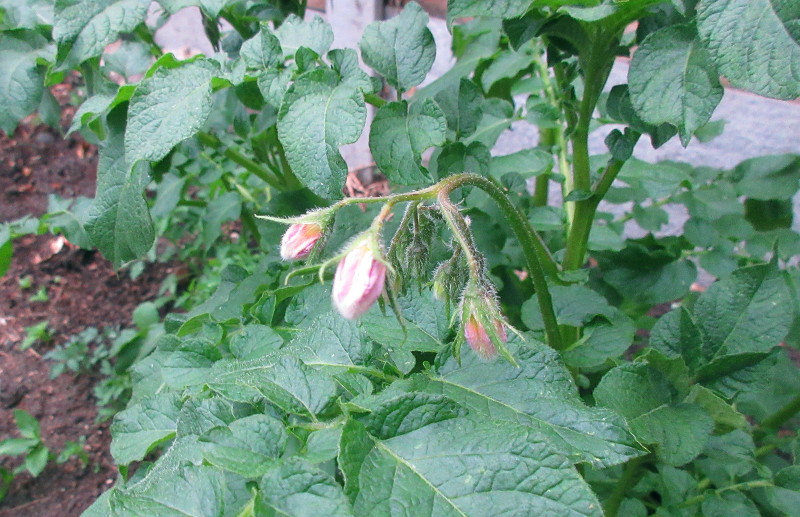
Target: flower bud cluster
[[483, 324], [360, 277]]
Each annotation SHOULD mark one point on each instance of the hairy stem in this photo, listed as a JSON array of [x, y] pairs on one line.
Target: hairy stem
[[539, 261]]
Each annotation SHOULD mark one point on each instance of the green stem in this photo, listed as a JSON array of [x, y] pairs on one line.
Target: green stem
[[629, 473], [585, 210], [539, 261], [238, 158], [597, 65], [551, 136], [460, 230], [541, 190], [777, 419], [375, 100], [759, 483]]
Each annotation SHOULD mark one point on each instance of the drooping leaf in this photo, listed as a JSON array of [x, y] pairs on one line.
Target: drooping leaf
[[166, 109], [755, 44], [83, 28], [119, 222], [318, 115], [672, 79], [400, 133], [21, 79]]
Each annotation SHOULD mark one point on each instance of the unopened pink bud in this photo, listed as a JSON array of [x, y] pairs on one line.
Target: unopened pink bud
[[479, 340], [299, 240], [358, 282]]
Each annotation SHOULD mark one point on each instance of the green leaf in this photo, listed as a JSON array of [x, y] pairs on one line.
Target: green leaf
[[528, 163], [286, 382], [768, 177], [462, 109], [295, 32], [400, 49], [755, 43], [574, 305], [166, 109], [36, 460], [728, 503], [17, 446], [295, 488], [672, 79], [318, 115], [322, 445], [26, 15], [141, 427], [198, 415], [539, 394], [748, 312], [497, 116], [495, 9], [119, 221], [189, 363], [726, 417], [83, 28], [460, 467], [255, 341], [425, 320], [676, 334], [400, 133], [262, 51], [679, 432], [456, 158], [246, 446], [21, 78], [409, 412], [28, 426], [186, 491], [224, 208], [331, 340]]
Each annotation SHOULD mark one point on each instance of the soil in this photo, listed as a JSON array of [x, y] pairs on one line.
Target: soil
[[83, 291]]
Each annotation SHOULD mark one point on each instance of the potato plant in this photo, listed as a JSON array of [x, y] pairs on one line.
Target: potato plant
[[327, 373]]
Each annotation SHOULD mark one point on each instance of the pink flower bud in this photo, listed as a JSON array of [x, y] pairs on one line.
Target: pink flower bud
[[299, 240], [358, 282], [479, 340]]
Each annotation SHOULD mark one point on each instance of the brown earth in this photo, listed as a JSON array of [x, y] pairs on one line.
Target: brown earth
[[84, 291]]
